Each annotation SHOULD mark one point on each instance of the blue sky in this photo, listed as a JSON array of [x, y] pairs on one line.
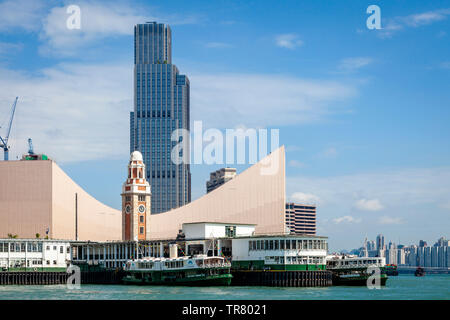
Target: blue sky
[[364, 114]]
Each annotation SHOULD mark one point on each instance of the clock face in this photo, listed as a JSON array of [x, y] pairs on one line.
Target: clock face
[[128, 209], [141, 208]]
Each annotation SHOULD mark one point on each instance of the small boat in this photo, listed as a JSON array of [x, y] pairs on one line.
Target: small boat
[[391, 270], [420, 272], [199, 270]]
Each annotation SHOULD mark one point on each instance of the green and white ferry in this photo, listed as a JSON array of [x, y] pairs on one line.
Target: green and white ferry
[[198, 270], [356, 271]]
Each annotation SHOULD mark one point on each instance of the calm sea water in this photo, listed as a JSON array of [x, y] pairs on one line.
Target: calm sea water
[[434, 287]]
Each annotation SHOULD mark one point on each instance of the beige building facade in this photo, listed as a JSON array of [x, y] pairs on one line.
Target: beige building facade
[[37, 196]]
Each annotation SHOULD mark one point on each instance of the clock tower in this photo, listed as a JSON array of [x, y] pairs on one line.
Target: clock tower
[[136, 202]]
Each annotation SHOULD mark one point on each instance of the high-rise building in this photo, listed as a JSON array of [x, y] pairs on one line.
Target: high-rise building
[[219, 177], [301, 218], [380, 242], [161, 105]]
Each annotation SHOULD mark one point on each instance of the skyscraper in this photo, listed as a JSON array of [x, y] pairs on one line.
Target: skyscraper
[[161, 105], [380, 242]]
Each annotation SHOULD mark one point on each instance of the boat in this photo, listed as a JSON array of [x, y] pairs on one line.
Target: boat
[[420, 272], [199, 270], [391, 270], [355, 271]]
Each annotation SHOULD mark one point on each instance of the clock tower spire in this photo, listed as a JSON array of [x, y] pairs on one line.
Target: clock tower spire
[[136, 201]]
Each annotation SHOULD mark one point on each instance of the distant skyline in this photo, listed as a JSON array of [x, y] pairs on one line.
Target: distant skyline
[[363, 113]]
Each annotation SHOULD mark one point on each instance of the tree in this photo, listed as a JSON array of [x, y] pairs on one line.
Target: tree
[[38, 235]]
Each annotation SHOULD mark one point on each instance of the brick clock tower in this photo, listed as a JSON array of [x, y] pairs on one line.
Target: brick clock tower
[[136, 202]]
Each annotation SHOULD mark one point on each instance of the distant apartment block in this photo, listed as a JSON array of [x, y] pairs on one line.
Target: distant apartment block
[[301, 218], [219, 177]]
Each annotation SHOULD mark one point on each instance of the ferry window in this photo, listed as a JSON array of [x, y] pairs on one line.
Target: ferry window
[[271, 244], [68, 249], [250, 243], [48, 261], [258, 245], [266, 245], [276, 244], [282, 244], [310, 244], [230, 231], [288, 244], [299, 244], [293, 244], [61, 249], [54, 247]]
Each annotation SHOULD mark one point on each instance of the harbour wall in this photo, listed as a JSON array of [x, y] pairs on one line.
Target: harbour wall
[[281, 278]]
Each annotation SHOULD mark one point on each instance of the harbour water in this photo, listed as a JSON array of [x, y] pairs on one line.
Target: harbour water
[[430, 287]]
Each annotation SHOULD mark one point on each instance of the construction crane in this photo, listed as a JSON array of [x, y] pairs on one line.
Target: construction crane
[[4, 141], [30, 147]]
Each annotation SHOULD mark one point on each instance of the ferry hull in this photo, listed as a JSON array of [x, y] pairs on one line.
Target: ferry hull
[[356, 281], [211, 280]]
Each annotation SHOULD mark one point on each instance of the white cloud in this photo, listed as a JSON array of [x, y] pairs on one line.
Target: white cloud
[[19, 15], [397, 188], [288, 40], [353, 64], [260, 100], [304, 198], [445, 65], [296, 164], [98, 21], [72, 112], [330, 152], [346, 219], [414, 20], [10, 47], [368, 205], [390, 220]]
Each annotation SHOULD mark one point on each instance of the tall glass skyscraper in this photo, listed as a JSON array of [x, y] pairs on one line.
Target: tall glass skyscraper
[[161, 105]]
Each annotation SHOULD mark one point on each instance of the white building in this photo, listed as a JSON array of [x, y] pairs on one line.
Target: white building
[[34, 254]]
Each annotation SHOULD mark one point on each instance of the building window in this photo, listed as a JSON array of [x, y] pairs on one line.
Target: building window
[[54, 261], [48, 261], [141, 198], [141, 230], [141, 219], [230, 231]]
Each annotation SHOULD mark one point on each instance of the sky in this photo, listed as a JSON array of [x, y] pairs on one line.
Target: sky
[[364, 113]]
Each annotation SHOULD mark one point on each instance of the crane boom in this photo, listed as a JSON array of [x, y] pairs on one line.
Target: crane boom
[[4, 141]]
